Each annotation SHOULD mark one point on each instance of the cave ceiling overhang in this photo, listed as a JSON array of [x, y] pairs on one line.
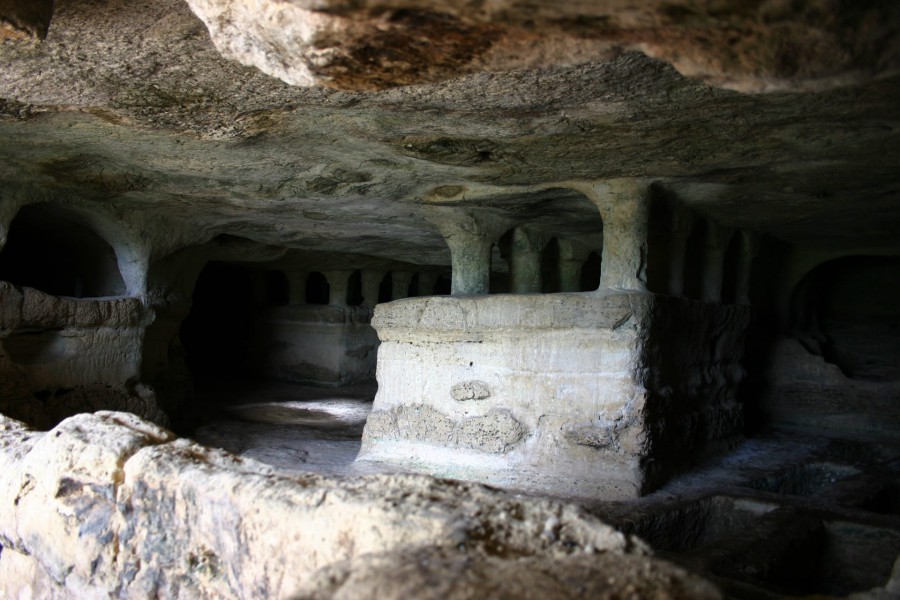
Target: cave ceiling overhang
[[131, 109]]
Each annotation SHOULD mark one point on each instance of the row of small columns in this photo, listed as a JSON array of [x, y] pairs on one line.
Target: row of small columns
[[339, 284], [471, 244], [716, 241], [471, 234], [623, 207]]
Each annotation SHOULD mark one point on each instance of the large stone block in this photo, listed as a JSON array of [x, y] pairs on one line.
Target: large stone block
[[597, 395]]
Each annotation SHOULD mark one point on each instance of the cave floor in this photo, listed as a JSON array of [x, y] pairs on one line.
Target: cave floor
[[788, 512], [295, 428]]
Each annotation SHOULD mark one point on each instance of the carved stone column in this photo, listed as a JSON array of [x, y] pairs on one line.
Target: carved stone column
[[371, 283], [623, 206], [338, 282], [470, 237], [400, 281], [427, 279], [525, 261], [572, 255]]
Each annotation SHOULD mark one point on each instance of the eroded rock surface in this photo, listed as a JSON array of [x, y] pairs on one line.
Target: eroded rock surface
[[382, 43], [110, 504], [433, 573]]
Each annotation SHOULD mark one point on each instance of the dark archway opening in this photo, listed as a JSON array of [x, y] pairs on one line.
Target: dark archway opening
[[590, 273], [442, 285], [413, 290], [49, 250], [216, 333], [386, 288], [550, 268], [354, 289], [317, 288]]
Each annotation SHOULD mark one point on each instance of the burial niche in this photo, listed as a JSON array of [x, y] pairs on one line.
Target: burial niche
[[49, 249]]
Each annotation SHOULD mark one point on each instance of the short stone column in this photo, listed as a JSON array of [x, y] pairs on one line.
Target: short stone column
[[470, 238], [681, 230], [713, 262], [400, 281], [572, 256], [427, 280], [623, 205], [749, 248], [296, 286], [525, 261], [371, 284], [338, 283]]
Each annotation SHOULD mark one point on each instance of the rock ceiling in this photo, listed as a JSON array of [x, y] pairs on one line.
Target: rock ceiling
[[787, 123]]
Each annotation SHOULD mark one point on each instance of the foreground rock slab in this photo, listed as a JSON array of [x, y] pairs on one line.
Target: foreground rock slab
[[106, 504]]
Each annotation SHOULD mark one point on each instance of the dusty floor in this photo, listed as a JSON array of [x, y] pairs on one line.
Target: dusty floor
[[295, 428], [787, 512]]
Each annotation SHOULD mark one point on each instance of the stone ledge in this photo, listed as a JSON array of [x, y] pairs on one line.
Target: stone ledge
[[522, 312], [23, 308]]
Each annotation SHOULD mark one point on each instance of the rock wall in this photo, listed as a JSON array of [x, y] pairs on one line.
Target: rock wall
[[60, 356], [109, 505], [803, 389], [582, 394], [331, 345]]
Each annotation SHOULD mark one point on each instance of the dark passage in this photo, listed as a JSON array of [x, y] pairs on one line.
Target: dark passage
[[216, 333]]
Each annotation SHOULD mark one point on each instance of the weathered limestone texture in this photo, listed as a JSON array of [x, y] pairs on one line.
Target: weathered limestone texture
[[60, 356], [109, 505], [581, 394], [374, 44], [321, 344], [432, 573]]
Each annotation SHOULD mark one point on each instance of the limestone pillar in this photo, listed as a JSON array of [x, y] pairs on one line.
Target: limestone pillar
[[572, 255], [371, 283], [525, 261], [400, 281], [681, 230], [338, 283], [749, 249], [713, 262], [427, 279], [296, 286], [623, 205], [470, 237]]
